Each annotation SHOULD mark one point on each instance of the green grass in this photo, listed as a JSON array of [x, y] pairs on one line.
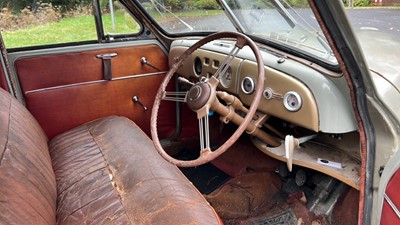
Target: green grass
[[123, 24], [184, 14], [67, 30], [83, 28], [199, 13]]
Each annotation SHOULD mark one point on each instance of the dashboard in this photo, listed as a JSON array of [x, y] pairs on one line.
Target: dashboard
[[293, 91]]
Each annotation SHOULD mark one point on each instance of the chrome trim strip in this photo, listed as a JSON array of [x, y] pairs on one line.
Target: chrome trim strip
[[141, 75], [96, 81], [392, 205]]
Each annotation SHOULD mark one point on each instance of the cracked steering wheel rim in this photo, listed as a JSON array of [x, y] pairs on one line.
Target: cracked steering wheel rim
[[206, 155]]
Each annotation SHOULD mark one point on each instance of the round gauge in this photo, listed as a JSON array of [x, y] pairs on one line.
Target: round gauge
[[292, 101], [226, 79], [268, 93], [198, 68], [248, 85]]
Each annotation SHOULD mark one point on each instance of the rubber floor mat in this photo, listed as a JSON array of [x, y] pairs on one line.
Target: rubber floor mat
[[206, 178], [285, 218]]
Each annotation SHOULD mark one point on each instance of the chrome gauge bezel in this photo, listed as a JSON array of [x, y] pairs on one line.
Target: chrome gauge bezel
[[268, 93], [286, 101], [226, 79], [252, 85]]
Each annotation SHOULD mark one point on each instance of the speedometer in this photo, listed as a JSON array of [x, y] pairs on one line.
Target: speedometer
[[226, 79]]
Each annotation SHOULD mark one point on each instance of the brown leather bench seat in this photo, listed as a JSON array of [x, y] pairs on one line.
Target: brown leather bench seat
[[103, 172]]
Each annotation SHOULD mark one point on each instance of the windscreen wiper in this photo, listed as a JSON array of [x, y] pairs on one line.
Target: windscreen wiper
[[155, 4], [232, 17], [284, 13]]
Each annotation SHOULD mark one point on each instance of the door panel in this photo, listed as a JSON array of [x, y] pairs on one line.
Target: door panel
[[3, 81], [388, 215], [78, 67], [391, 203], [64, 90]]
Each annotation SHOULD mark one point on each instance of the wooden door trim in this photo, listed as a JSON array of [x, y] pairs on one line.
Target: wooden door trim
[[15, 56]]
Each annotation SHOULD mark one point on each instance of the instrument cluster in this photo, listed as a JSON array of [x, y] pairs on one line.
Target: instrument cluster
[[284, 96]]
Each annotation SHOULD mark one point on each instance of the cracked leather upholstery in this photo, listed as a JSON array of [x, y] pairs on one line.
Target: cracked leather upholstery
[[27, 183], [105, 172]]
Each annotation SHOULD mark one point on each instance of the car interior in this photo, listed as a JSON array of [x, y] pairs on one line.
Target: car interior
[[219, 129]]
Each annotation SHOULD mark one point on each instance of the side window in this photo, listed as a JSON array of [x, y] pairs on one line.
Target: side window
[[35, 23], [116, 19]]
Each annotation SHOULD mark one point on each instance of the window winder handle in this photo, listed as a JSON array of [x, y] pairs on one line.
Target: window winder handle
[[144, 61], [135, 99]]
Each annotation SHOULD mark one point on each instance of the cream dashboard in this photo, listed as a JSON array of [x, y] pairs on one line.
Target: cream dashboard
[[292, 91], [295, 92]]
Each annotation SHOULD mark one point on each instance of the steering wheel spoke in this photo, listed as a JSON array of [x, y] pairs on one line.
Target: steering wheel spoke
[[179, 96], [227, 62], [204, 131]]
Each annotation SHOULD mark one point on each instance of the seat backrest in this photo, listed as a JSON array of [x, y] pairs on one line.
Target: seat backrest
[[27, 181]]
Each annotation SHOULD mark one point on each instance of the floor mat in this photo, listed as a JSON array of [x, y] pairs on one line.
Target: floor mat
[[206, 178], [287, 217]]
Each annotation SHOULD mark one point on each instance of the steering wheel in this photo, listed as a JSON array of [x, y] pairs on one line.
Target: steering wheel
[[202, 98]]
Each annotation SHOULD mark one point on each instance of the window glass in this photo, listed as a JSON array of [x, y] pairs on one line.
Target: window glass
[[116, 20], [188, 16], [290, 23], [379, 17], [34, 23]]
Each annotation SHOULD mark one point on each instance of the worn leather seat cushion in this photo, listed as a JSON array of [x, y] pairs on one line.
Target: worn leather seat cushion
[[108, 170], [103, 172]]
